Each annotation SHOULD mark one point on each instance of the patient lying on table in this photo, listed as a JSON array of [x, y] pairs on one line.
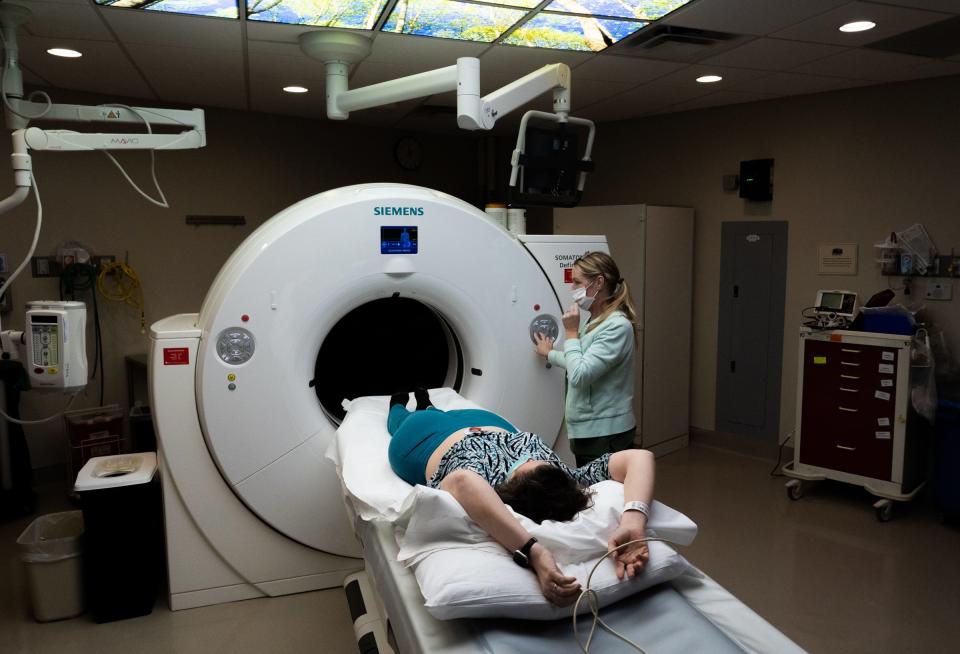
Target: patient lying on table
[[484, 462]]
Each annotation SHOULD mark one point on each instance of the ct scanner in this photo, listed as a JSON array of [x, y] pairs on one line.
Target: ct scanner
[[363, 290]]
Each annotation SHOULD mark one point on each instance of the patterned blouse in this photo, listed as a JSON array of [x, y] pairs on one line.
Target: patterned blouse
[[495, 454]]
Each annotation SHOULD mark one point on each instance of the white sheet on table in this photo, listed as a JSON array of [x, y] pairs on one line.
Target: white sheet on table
[[360, 453]]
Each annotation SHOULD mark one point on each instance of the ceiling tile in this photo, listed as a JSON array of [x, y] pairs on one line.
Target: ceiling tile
[[890, 20], [285, 64], [268, 97], [174, 30], [718, 99], [795, 84], [280, 32], [688, 76], [642, 100], [66, 21], [421, 53], [759, 17], [773, 54], [609, 68], [878, 66], [586, 92], [103, 68], [191, 76], [514, 59], [949, 6]]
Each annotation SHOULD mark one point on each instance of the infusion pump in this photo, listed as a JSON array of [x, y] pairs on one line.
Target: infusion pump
[[56, 344]]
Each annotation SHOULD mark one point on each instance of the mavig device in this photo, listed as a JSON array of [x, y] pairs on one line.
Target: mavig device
[[56, 345]]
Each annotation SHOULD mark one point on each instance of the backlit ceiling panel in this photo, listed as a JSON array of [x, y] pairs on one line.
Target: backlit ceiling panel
[[589, 25], [217, 8]]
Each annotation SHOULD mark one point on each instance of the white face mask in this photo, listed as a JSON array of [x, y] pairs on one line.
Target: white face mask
[[581, 298]]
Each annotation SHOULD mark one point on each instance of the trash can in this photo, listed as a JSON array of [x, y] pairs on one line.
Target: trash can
[[51, 551], [123, 545], [947, 480]]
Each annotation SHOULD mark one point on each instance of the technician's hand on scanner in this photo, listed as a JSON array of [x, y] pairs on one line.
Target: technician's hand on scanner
[[558, 588], [544, 344]]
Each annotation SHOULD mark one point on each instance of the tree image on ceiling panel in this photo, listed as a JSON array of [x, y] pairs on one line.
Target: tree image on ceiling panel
[[564, 32], [640, 9], [451, 20], [353, 14], [217, 8]]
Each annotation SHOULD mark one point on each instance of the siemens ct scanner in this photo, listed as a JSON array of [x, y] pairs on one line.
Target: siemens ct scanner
[[357, 291]]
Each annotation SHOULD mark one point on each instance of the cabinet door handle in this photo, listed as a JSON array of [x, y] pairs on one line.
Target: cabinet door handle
[[848, 363], [849, 377], [843, 408], [846, 349], [850, 390], [844, 447]]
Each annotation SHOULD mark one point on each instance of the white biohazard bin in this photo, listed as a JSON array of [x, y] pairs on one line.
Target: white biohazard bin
[[51, 551]]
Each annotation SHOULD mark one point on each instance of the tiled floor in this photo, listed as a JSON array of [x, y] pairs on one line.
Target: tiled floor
[[821, 569]]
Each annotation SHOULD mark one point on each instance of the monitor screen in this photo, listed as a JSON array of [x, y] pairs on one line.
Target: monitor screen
[[840, 302], [398, 240]]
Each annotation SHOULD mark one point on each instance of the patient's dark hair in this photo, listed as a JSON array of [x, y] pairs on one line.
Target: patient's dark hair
[[544, 493]]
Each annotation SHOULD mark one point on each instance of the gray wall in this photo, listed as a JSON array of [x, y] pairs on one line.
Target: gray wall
[[255, 165], [850, 167]]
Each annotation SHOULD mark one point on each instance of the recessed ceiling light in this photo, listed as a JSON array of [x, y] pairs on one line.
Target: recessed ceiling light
[[858, 26], [64, 52], [295, 89], [709, 79]]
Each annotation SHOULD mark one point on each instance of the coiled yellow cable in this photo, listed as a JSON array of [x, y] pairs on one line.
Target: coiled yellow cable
[[126, 287]]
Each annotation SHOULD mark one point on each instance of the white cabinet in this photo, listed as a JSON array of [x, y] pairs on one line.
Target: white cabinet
[[653, 246]]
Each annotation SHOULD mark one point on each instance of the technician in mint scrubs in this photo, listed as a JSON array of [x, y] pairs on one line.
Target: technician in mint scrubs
[[599, 359]]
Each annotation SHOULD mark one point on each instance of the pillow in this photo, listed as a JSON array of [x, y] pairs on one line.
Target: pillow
[[360, 453], [463, 573]]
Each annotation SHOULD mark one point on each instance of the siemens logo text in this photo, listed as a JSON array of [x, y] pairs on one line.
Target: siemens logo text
[[398, 211]]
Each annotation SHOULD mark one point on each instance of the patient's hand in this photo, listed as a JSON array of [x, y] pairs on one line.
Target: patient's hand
[[555, 586], [630, 560]]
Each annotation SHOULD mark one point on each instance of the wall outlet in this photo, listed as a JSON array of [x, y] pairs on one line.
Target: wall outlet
[[45, 267], [98, 260], [939, 290]]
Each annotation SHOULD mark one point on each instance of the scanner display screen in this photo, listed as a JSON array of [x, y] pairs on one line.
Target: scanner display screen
[[398, 240]]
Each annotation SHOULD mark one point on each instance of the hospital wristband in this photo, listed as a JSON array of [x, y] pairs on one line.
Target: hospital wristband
[[637, 505]]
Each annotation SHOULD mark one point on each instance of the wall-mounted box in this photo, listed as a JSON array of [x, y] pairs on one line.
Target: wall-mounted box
[[837, 258]]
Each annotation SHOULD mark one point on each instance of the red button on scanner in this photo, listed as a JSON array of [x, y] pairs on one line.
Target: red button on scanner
[[39, 371]]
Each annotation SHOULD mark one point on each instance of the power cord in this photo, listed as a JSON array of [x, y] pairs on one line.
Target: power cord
[[153, 161], [6, 101], [591, 596], [36, 237], [130, 293], [41, 420], [776, 467]]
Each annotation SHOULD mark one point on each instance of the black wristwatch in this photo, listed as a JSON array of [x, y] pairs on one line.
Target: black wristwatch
[[522, 556]]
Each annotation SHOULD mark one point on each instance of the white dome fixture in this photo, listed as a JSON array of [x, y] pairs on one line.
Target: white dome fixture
[[295, 89], [709, 79]]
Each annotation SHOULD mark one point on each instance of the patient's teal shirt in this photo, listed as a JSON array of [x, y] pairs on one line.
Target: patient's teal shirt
[[417, 434]]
